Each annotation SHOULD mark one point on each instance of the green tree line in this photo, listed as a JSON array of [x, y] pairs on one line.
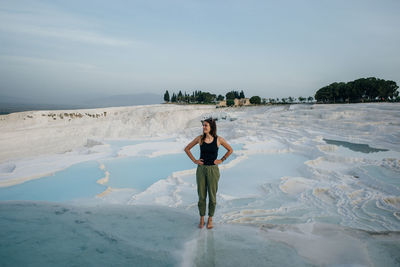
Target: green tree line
[[360, 90], [195, 97], [200, 97]]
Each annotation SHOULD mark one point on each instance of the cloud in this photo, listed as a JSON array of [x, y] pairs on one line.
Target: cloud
[[49, 23], [46, 62], [66, 34]]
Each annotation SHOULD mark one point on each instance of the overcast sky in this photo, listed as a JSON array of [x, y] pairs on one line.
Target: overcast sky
[[59, 50]]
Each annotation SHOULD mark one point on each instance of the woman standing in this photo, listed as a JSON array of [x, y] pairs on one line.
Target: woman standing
[[207, 173]]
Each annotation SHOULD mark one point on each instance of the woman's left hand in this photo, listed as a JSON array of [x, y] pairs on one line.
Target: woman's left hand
[[217, 161]]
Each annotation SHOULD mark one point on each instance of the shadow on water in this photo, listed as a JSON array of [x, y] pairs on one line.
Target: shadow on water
[[364, 148]]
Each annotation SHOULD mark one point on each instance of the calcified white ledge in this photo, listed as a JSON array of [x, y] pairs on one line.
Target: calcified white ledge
[[33, 133]]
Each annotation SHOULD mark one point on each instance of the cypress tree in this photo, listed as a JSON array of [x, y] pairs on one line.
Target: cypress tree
[[166, 96]]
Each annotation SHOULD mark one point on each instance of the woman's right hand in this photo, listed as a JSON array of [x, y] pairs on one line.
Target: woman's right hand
[[199, 162]]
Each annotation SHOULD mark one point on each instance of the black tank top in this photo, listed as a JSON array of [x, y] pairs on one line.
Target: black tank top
[[209, 152]]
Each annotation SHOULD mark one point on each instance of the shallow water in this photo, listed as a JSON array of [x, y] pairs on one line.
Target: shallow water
[[75, 182], [48, 234], [45, 234], [139, 173], [364, 148]]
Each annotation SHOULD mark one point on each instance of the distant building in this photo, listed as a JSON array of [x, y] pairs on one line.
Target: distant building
[[237, 102], [221, 104], [243, 102]]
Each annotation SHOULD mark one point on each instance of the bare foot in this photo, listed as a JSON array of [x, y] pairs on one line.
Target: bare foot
[[209, 223], [201, 224]]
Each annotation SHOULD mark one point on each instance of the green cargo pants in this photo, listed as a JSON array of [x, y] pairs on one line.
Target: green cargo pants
[[207, 177]]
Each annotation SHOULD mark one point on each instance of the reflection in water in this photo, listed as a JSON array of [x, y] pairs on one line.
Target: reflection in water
[[364, 148], [205, 255]]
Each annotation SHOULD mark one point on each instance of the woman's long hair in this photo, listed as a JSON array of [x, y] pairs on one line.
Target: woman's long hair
[[213, 129]]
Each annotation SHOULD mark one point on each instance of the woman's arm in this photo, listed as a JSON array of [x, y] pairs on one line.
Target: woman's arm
[[189, 146], [227, 154]]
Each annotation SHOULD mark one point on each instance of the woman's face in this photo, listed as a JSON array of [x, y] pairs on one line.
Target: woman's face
[[206, 127]]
